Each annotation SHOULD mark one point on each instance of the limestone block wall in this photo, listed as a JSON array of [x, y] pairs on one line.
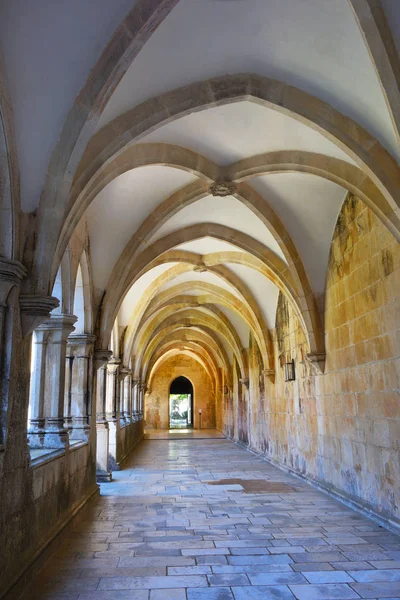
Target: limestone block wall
[[157, 402], [341, 428], [359, 396]]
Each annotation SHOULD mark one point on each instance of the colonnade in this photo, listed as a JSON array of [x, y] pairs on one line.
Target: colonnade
[[74, 385]]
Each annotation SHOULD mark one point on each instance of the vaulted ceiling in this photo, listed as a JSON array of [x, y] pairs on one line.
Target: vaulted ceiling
[[304, 113]]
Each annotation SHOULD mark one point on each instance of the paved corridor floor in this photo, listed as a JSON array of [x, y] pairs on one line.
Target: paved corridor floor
[[202, 519]]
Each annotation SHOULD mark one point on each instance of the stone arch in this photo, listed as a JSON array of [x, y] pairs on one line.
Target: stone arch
[[116, 294], [123, 47], [363, 148], [189, 318], [9, 176], [175, 297], [179, 335], [167, 353], [256, 321], [333, 169], [205, 331], [378, 38]]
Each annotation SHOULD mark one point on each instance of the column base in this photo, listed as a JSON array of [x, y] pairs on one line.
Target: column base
[[51, 440], [103, 476]]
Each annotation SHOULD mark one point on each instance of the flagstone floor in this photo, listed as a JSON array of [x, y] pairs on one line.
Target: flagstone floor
[[162, 531]]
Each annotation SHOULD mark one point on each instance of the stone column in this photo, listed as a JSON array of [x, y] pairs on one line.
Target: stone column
[[125, 391], [101, 358], [11, 275], [81, 347], [36, 429], [135, 399], [58, 327], [113, 413], [142, 388], [68, 384]]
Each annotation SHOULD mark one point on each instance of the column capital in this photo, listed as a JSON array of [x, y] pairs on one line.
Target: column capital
[[81, 342], [60, 325], [113, 365], [12, 273], [135, 382], [35, 310], [102, 357], [124, 372]]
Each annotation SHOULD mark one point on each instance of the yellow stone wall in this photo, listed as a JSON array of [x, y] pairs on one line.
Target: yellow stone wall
[[359, 401], [157, 401], [341, 428]]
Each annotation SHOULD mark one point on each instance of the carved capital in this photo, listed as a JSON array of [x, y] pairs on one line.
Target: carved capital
[[101, 357], [124, 372], [222, 188], [12, 273], [59, 327], [35, 310], [200, 269], [317, 362], [81, 343], [113, 365]]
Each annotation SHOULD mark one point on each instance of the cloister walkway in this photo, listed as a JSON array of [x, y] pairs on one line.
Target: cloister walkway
[[202, 519]]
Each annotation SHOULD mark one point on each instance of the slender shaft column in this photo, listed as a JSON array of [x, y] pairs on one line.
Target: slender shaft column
[[101, 358], [80, 396], [36, 429], [113, 412], [59, 327], [11, 275], [68, 388], [135, 399], [125, 393], [142, 388]]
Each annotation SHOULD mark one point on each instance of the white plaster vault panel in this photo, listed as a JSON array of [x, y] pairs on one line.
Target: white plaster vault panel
[[315, 45], [309, 207], [225, 211], [49, 48], [137, 290], [119, 209]]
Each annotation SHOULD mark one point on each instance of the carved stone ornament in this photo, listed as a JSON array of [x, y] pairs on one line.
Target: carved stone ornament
[[200, 269], [35, 310], [222, 188], [317, 361]]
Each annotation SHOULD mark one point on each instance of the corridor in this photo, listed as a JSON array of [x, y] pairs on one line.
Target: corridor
[[202, 519]]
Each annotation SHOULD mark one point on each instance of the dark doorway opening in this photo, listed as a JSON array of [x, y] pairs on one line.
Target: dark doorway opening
[[181, 404]]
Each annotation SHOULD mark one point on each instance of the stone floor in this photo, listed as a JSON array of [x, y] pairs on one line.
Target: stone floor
[[160, 531], [179, 434]]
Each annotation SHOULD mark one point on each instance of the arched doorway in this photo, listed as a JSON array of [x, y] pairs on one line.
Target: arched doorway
[[181, 404]]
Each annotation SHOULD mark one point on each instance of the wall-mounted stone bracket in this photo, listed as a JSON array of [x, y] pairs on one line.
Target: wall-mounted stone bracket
[[245, 381], [317, 362], [35, 310], [270, 373]]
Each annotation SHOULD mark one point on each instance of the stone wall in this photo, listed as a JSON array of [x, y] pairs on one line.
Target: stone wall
[[157, 401], [359, 401], [342, 428]]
